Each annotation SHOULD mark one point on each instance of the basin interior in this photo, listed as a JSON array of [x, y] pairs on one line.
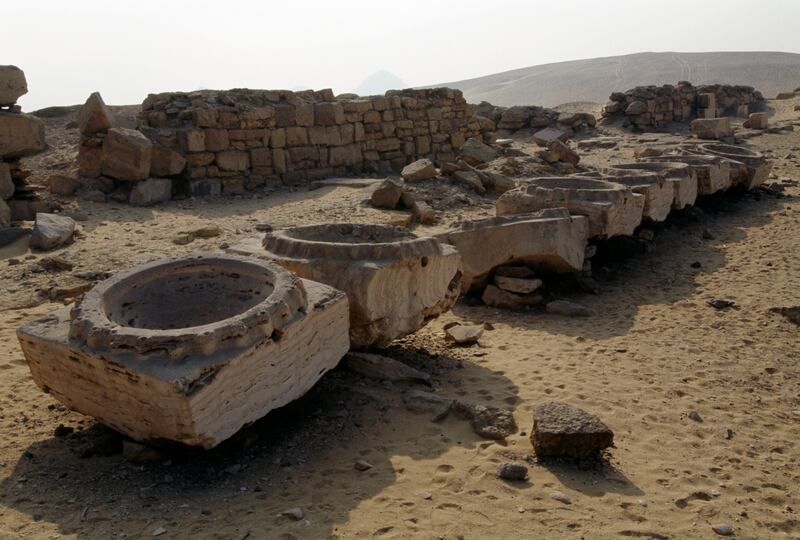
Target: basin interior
[[185, 297], [350, 233], [658, 167], [728, 149], [570, 182]]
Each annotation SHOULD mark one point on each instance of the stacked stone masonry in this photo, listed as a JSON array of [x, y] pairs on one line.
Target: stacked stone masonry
[[242, 139], [652, 106]]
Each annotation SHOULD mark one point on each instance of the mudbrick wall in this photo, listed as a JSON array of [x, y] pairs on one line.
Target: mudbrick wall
[[242, 139], [645, 106]]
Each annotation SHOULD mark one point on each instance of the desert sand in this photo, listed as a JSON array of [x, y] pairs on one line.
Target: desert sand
[[653, 353]]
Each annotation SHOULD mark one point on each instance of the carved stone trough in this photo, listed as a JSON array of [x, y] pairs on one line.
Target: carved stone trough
[[612, 208], [550, 240], [680, 176], [713, 173], [190, 349], [748, 167], [395, 281], [657, 192]]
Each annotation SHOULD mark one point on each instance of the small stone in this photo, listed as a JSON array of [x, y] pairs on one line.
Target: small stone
[[722, 529], [209, 231], [696, 264], [263, 227], [497, 297], [694, 415], [719, 303], [475, 152], [646, 234], [158, 531], [643, 503], [560, 497], [707, 235], [294, 513], [183, 239], [362, 465], [463, 334], [62, 430], [427, 495], [716, 493], [51, 231], [383, 368], [727, 433], [387, 194], [517, 285], [422, 169], [559, 429], [567, 309], [513, 471]]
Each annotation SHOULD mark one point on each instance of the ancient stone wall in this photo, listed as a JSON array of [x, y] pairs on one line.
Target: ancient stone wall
[[242, 139], [646, 106]]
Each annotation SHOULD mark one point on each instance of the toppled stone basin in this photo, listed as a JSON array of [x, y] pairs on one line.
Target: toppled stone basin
[[550, 240], [189, 349], [658, 194], [748, 167], [395, 281], [612, 208], [713, 172], [680, 176]]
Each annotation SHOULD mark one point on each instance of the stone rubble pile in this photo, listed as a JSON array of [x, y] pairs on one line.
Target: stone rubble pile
[[509, 120], [20, 135], [652, 106]]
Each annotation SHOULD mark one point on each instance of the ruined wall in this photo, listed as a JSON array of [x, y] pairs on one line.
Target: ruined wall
[[646, 106], [242, 139]]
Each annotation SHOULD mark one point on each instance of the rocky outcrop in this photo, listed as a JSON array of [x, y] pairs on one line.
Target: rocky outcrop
[[611, 208], [395, 281], [217, 360], [550, 240]]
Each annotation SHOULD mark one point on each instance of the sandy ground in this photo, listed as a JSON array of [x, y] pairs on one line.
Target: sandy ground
[[654, 352]]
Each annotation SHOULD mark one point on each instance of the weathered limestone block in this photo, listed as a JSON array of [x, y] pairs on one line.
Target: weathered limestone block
[[713, 173], [126, 154], [395, 281], [242, 337], [757, 120], [94, 116], [151, 191], [475, 152], [422, 169], [748, 167], [658, 193], [551, 240], [612, 208], [680, 176], [12, 85], [547, 135], [561, 430], [166, 162], [712, 128], [51, 231], [20, 135]]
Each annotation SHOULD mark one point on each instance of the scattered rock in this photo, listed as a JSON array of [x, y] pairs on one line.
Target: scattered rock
[[559, 429], [567, 309], [55, 264], [470, 179], [488, 422], [158, 531], [463, 334], [94, 116], [517, 285], [427, 495], [719, 303], [126, 154], [380, 367], [207, 231], [294, 513], [387, 194], [694, 415], [722, 529], [140, 453], [422, 169], [362, 465], [513, 471], [560, 497], [263, 227], [712, 128], [151, 191], [696, 264], [496, 297], [62, 185], [791, 313], [183, 239], [62, 430], [51, 231], [547, 135], [475, 152], [12, 85]]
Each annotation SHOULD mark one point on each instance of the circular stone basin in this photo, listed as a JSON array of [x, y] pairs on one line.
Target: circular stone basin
[[667, 169], [350, 241], [195, 304], [730, 151]]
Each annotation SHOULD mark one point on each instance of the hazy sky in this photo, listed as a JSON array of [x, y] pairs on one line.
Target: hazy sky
[[127, 49]]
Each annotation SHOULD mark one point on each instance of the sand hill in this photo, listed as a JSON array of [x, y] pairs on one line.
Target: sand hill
[[594, 79]]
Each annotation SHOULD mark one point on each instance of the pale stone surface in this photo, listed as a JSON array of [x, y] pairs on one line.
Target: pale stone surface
[[151, 191], [657, 192], [126, 154], [395, 281], [611, 208], [559, 429], [20, 135], [422, 169], [712, 128], [12, 85], [198, 372], [713, 173], [463, 333], [681, 176], [550, 239], [51, 230], [748, 167], [94, 116]]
